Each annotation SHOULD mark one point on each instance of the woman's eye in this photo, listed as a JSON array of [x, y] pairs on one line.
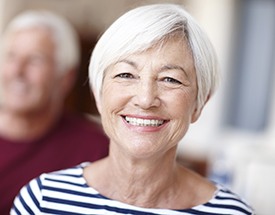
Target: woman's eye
[[125, 75], [171, 80]]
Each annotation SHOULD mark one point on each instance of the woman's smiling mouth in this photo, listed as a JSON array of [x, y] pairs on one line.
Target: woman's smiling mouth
[[144, 122]]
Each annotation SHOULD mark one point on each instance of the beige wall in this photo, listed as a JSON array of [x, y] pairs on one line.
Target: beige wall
[[86, 15]]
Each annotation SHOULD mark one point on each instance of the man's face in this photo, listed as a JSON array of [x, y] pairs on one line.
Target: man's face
[[28, 71]]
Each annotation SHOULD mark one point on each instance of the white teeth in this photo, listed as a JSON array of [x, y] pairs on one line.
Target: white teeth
[[144, 122]]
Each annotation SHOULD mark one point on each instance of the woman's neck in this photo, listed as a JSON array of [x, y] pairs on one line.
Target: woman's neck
[[145, 183], [148, 183]]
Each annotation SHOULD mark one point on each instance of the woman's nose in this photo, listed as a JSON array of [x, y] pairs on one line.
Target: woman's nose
[[147, 95]]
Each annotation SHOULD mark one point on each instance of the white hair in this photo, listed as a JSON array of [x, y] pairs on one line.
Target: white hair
[[63, 35], [143, 27]]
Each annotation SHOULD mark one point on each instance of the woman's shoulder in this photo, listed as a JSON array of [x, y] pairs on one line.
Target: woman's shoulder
[[227, 200], [52, 188], [72, 174], [220, 199], [59, 180]]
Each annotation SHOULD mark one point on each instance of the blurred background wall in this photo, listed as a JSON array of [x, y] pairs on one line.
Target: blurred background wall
[[234, 140]]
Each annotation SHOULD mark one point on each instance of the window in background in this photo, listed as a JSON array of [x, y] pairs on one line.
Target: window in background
[[253, 73]]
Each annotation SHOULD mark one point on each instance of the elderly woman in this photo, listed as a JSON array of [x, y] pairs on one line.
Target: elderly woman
[[151, 73]]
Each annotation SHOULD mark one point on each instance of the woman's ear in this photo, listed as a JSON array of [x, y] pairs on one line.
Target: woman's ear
[[197, 112]]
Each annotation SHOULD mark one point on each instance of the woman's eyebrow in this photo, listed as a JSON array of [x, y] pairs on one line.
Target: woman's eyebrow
[[173, 67], [131, 63], [163, 68]]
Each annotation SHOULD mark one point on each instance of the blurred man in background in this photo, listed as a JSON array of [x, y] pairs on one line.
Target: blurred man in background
[[38, 64]]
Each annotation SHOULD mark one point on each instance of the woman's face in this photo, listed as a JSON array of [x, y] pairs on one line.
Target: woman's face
[[148, 100]]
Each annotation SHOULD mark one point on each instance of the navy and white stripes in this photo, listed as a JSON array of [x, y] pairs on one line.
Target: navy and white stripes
[[66, 192]]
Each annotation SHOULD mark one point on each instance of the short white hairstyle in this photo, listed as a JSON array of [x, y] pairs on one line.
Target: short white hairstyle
[[63, 35], [146, 26]]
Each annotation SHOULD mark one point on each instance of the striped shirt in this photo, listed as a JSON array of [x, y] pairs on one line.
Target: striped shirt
[[66, 192]]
